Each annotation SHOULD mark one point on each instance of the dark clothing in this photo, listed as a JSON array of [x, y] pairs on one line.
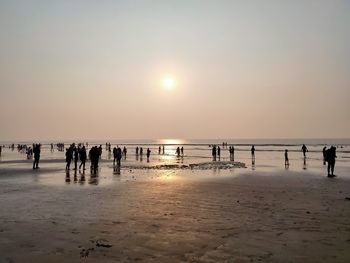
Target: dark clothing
[[82, 155], [330, 159], [36, 151]]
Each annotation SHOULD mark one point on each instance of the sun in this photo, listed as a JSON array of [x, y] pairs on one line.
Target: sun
[[168, 83]]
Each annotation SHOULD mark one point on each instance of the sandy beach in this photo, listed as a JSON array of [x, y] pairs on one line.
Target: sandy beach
[[174, 215]]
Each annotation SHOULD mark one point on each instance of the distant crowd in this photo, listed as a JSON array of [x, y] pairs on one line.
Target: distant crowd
[[75, 153]]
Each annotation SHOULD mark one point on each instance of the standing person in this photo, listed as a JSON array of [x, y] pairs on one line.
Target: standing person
[[182, 151], [125, 152], [330, 158], [76, 158], [163, 150], [213, 152], [324, 155], [286, 159], [119, 155], [137, 150], [159, 149], [0, 149], [94, 157], [100, 151], [82, 155], [178, 151], [69, 157], [304, 150], [141, 151], [148, 154], [36, 151], [253, 151], [219, 151], [115, 155]]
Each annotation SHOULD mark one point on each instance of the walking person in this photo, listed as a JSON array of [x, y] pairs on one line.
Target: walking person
[[286, 159], [304, 150]]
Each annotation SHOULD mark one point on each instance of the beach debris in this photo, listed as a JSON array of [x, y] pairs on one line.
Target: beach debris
[[101, 244], [218, 165], [84, 253]]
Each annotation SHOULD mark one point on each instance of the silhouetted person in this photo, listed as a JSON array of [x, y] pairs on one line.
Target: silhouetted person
[[137, 150], [36, 151], [119, 155], [69, 157], [82, 155], [159, 149], [286, 159], [253, 151], [330, 158], [148, 154], [304, 150], [178, 152], [100, 151], [163, 149], [141, 151], [219, 152], [324, 155], [125, 152], [0, 150], [182, 151], [232, 153], [213, 152], [114, 155], [76, 158]]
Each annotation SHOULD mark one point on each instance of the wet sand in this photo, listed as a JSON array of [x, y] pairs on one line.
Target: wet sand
[[175, 216]]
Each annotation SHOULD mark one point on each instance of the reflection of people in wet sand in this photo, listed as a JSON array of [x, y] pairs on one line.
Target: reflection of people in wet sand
[[330, 159], [286, 159]]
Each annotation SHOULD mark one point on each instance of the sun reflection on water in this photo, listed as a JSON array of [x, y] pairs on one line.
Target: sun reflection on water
[[171, 141]]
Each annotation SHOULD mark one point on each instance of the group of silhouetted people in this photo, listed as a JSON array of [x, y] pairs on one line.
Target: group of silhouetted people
[[75, 154], [215, 152], [117, 155]]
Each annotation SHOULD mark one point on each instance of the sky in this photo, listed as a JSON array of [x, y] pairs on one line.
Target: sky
[[241, 69]]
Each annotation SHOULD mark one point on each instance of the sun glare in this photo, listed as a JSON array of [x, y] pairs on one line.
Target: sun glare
[[168, 83]]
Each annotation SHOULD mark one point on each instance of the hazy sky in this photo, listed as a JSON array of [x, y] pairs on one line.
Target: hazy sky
[[243, 69]]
